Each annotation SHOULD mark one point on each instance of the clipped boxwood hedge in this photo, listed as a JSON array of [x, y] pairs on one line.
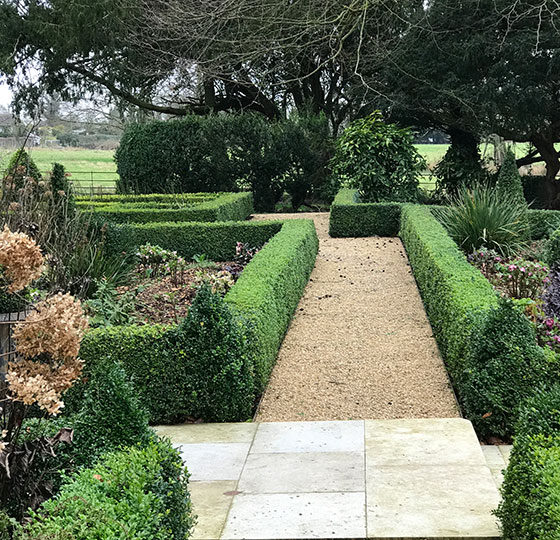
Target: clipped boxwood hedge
[[216, 240], [264, 298], [454, 292], [530, 507], [163, 198], [269, 289], [224, 207], [351, 218], [132, 493]]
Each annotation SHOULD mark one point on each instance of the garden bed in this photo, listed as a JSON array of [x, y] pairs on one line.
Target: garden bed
[[262, 300]]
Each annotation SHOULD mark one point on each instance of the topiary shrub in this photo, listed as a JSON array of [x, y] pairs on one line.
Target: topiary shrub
[[212, 342], [510, 187], [109, 416], [379, 160], [530, 507], [134, 493], [62, 195], [461, 167], [503, 368], [20, 166]]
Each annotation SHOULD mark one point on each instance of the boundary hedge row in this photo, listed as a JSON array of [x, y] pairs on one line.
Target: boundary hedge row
[[225, 207], [351, 218], [265, 298], [146, 198], [216, 240]]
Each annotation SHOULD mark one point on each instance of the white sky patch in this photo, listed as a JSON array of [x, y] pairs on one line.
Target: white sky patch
[[5, 95]]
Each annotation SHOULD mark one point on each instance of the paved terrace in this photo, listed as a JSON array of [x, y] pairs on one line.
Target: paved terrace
[[390, 479]]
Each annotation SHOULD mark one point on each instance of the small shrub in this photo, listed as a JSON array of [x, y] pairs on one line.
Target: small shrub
[[212, 342], [134, 493], [379, 160], [503, 369], [61, 189], [481, 218], [108, 307], [530, 507], [21, 166], [540, 413], [109, 416]]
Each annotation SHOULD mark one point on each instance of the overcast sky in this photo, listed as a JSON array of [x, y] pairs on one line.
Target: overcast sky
[[5, 95]]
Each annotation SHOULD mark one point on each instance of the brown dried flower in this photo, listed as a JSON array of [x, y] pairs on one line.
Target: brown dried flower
[[20, 259], [36, 382], [54, 328]]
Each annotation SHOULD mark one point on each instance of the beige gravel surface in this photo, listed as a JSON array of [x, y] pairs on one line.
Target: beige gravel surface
[[360, 345]]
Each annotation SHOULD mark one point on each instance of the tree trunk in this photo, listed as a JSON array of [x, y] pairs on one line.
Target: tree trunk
[[545, 146]]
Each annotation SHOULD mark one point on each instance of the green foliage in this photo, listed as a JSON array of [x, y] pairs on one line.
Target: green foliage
[[543, 223], [211, 341], [138, 493], [540, 413], [215, 240], [225, 153], [264, 297], [145, 353], [268, 291], [12, 303], [109, 416], [61, 189], [6, 526], [108, 307], [350, 217], [530, 507], [21, 165], [454, 292], [224, 207], [552, 248], [483, 218], [460, 168], [378, 159], [509, 180], [503, 368]]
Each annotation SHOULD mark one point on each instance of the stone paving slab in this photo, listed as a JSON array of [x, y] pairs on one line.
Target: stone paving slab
[[352, 480], [497, 459]]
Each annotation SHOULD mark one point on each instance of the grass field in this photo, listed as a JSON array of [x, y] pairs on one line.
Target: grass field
[[97, 167], [84, 165]]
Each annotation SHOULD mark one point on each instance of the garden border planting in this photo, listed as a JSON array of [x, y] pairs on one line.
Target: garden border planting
[[224, 207], [264, 300]]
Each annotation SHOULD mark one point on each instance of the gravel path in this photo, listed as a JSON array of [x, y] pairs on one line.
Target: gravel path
[[360, 345]]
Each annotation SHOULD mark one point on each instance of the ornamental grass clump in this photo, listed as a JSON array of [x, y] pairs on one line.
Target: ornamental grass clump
[[482, 217]]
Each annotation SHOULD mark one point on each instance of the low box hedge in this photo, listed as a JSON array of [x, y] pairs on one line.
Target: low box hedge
[[216, 240], [132, 493], [264, 300], [454, 292], [351, 218], [224, 207], [163, 198], [488, 344]]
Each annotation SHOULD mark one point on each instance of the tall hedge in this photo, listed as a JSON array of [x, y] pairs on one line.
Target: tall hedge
[[226, 153]]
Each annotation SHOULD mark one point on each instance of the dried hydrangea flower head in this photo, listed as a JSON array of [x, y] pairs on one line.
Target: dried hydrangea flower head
[[55, 328], [20, 258], [49, 342]]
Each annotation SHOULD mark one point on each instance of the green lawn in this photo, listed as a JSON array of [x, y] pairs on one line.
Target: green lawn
[[84, 165]]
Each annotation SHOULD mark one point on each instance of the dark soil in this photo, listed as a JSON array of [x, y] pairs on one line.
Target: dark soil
[[166, 300]]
